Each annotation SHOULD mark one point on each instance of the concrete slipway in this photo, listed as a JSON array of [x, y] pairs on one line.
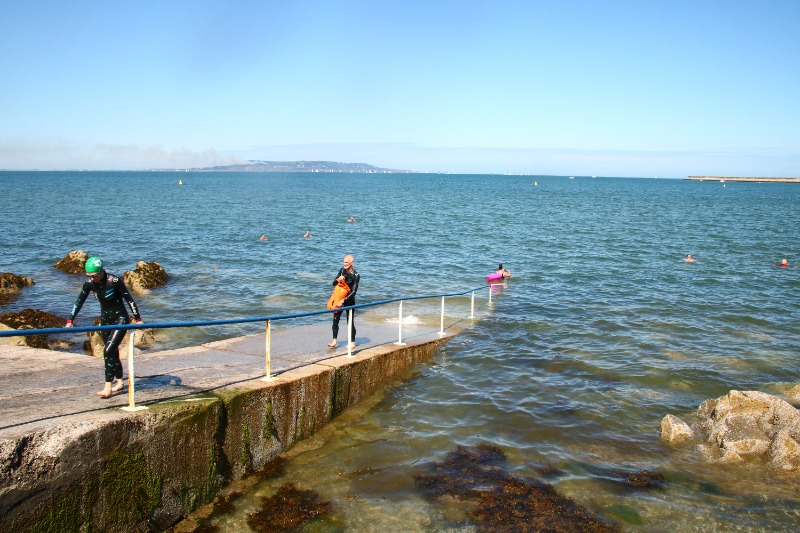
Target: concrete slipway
[[70, 461]]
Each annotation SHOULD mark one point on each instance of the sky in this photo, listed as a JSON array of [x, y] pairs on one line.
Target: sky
[[560, 87]]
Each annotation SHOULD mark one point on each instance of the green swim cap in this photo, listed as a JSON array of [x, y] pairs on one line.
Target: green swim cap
[[93, 265]]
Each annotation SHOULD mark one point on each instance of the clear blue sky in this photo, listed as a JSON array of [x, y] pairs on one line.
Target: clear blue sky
[[607, 88]]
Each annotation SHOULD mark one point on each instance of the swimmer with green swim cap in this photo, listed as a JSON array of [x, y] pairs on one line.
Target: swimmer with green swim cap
[[112, 294]]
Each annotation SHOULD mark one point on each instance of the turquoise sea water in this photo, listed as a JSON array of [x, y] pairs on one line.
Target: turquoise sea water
[[602, 330]]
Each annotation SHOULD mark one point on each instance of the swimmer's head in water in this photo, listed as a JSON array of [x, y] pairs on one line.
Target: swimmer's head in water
[[93, 265], [500, 266]]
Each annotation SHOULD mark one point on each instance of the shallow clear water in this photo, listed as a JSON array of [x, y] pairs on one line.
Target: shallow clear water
[[602, 330]]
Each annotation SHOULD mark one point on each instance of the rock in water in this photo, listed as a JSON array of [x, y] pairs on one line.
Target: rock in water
[[73, 263], [33, 319], [146, 276], [752, 424], [12, 284], [675, 431]]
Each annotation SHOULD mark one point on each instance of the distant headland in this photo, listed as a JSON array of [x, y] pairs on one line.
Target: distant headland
[[300, 166], [758, 180]]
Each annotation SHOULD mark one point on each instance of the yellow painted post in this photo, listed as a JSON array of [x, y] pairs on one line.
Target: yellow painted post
[[268, 355], [131, 379]]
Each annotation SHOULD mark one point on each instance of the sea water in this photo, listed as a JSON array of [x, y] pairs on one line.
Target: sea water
[[602, 330]]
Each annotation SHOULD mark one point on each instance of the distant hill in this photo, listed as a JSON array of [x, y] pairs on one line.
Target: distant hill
[[299, 166]]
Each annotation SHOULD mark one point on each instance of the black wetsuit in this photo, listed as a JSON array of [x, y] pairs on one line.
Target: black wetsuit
[[112, 294], [351, 278]]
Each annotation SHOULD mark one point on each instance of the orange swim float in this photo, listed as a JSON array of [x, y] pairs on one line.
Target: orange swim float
[[340, 292]]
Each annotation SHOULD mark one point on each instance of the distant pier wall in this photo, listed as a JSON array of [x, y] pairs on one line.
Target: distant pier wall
[[758, 180], [145, 471]]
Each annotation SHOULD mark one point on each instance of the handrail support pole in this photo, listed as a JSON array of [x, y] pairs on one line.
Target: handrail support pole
[[472, 305], [400, 327], [441, 327], [350, 333], [131, 407], [268, 353]]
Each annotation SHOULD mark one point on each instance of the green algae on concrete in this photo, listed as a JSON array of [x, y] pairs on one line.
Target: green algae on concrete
[[130, 489], [268, 431], [71, 513]]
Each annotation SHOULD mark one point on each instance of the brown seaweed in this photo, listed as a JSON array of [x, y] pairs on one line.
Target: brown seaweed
[[504, 501], [288, 510], [643, 479]]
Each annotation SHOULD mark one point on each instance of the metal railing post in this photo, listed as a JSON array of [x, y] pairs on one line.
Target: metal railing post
[[472, 306], [268, 356], [400, 327], [131, 379], [441, 327], [349, 333]]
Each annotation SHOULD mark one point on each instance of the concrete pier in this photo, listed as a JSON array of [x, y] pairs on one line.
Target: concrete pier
[[70, 461], [743, 179]]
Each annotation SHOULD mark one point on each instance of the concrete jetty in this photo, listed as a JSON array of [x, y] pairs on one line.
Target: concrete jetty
[[70, 461], [743, 179]]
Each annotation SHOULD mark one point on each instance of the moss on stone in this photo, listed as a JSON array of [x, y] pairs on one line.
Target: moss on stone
[[71, 513], [130, 490], [212, 479], [268, 430], [337, 392], [246, 457]]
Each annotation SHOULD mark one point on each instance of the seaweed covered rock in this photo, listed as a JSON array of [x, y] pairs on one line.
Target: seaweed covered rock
[[33, 319], [73, 263], [12, 284], [146, 276], [501, 501], [289, 510]]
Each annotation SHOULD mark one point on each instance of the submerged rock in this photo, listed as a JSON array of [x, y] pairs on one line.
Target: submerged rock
[[643, 479], [33, 319], [146, 276], [73, 263], [289, 510], [502, 501]]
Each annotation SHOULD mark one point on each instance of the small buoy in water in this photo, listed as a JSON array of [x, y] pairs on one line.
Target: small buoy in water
[[535, 183], [180, 182]]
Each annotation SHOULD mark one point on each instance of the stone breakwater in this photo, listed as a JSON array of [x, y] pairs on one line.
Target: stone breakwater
[[758, 180], [106, 470]]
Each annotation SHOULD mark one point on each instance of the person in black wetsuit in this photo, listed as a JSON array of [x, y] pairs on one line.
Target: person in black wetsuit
[[351, 277], [112, 294]]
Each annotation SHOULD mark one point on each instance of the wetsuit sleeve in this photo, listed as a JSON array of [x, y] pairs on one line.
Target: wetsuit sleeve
[[340, 273], [87, 288], [123, 290], [352, 281]]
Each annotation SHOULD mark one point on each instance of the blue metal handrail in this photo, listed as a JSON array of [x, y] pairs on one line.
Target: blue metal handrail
[[267, 319], [163, 325]]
